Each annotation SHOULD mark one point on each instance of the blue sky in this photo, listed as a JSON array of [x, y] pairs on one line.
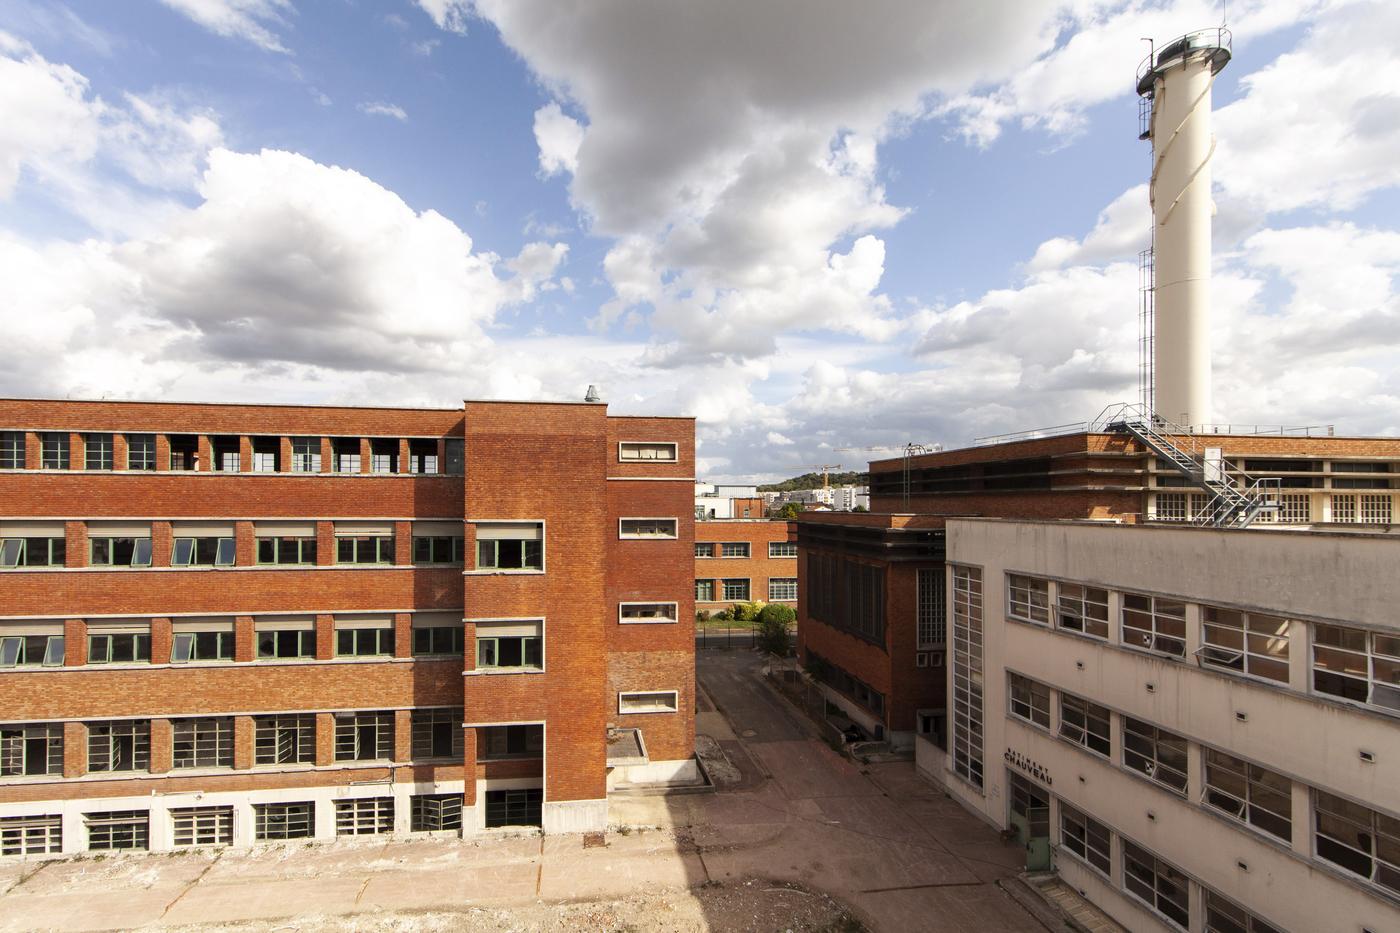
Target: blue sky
[[810, 225]]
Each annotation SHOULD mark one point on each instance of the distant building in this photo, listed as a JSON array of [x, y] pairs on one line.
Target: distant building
[[740, 561], [720, 500]]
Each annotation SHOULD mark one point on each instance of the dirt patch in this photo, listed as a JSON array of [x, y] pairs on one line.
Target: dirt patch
[[721, 770]]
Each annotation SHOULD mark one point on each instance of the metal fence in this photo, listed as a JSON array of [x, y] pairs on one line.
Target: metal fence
[[742, 635]]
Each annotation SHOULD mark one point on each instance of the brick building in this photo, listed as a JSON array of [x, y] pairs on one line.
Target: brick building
[[744, 560], [229, 623]]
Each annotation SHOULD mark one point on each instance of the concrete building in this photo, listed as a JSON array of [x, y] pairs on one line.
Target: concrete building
[[744, 560], [721, 500], [1195, 727], [227, 623]]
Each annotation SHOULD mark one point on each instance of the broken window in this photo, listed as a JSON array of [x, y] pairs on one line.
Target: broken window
[[434, 812], [647, 527], [513, 807], [1030, 700], [1157, 884], [227, 456], [123, 745], [1085, 724], [31, 749], [1154, 624], [364, 816], [273, 821], [1357, 665], [306, 455], [1083, 609], [184, 452], [1027, 599], [384, 455], [31, 835], [202, 743], [202, 826], [267, 454], [496, 743], [1086, 838], [364, 736], [284, 740], [1156, 753], [1249, 643], [422, 456], [437, 734], [454, 451], [117, 829], [347, 454], [1249, 793]]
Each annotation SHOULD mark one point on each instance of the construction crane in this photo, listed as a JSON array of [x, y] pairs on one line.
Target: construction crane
[[826, 469]]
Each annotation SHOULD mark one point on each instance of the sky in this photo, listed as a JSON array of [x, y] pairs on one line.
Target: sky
[[819, 227]]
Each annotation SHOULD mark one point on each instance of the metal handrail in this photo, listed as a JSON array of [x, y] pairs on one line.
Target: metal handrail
[[1181, 46]]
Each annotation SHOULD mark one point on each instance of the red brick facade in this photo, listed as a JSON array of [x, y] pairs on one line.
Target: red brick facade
[[758, 568]]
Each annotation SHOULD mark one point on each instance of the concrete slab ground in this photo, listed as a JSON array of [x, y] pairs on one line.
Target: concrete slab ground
[[872, 839]]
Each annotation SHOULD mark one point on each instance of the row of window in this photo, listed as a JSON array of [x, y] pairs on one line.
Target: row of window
[[847, 595], [210, 551], [844, 682], [1293, 508], [1351, 664], [739, 589], [742, 549], [1347, 835]]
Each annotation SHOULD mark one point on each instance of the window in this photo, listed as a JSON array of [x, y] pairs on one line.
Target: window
[[422, 456], [647, 612], [705, 591], [1157, 884], [267, 454], [967, 674], [346, 451], [1155, 624], [201, 646], [11, 450], [140, 451], [1223, 916], [1156, 753], [31, 651], [1357, 665], [1294, 509], [847, 595], [497, 743], [704, 549], [119, 552], [438, 640], [1085, 724], [119, 647], [646, 450], [203, 743], [430, 813], [284, 820], [228, 457], [510, 546], [647, 528], [1171, 506], [1375, 509], [782, 549], [53, 450], [33, 552], [287, 550], [202, 552], [284, 740], [383, 455], [514, 645], [365, 736], [1252, 643], [35, 749], [184, 452], [1358, 839], [454, 452], [437, 550], [663, 701], [1343, 508], [31, 835], [377, 641], [97, 452], [932, 621], [366, 549], [1027, 599], [1086, 838], [1249, 793], [286, 643], [1083, 609], [437, 734], [202, 826], [117, 829], [1030, 700], [736, 589], [1031, 802], [513, 807], [364, 816], [119, 746], [836, 677], [782, 588], [734, 549], [306, 455]]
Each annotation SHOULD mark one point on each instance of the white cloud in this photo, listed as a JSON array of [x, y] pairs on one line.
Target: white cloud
[[250, 20], [451, 15], [382, 109], [426, 48], [779, 439], [46, 116], [558, 136]]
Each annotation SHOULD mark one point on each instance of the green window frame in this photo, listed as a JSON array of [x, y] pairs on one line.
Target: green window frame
[[365, 549], [119, 648], [119, 552], [506, 554], [364, 642], [33, 552], [141, 452], [509, 652], [438, 549], [286, 551], [286, 643], [440, 640], [202, 552], [705, 591], [201, 646], [31, 650], [97, 452]]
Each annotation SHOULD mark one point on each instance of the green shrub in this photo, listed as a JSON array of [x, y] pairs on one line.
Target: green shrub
[[773, 634], [724, 615], [746, 612], [777, 614], [702, 615]]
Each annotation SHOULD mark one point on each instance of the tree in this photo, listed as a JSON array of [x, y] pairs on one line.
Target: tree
[[773, 622], [789, 510]]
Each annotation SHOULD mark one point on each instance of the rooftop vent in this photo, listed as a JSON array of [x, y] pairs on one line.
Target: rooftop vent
[[592, 394]]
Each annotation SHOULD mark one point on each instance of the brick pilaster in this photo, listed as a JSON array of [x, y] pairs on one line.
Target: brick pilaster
[[118, 451], [245, 454], [403, 455], [33, 455], [245, 640], [403, 735], [325, 637], [162, 745], [243, 735], [403, 543], [366, 451], [160, 641], [74, 642], [74, 749], [76, 452], [327, 455], [325, 739], [245, 545], [162, 451], [75, 544], [161, 540], [325, 544], [403, 635], [284, 455]]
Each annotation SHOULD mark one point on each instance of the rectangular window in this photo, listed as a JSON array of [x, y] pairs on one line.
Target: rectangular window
[[513, 807], [1249, 793], [1156, 753], [647, 612], [201, 646], [1375, 509], [202, 552], [441, 640], [12, 450], [306, 455], [454, 452], [347, 454], [1294, 509], [1250, 643], [1225, 916], [184, 452], [736, 589], [1083, 609], [117, 829], [364, 736], [284, 740], [967, 674], [97, 452], [659, 701], [119, 648], [1027, 599], [284, 820], [848, 595], [35, 749], [1030, 700], [124, 745], [286, 550], [422, 456], [510, 546], [1171, 506], [53, 450], [438, 550], [1154, 624], [202, 743], [267, 454], [704, 549], [705, 591], [834, 676], [932, 620], [378, 549], [33, 552], [1085, 724], [1357, 665], [290, 643], [202, 826], [1357, 839], [383, 455], [227, 454], [499, 743], [364, 642], [1157, 884], [1343, 508], [437, 735], [140, 451], [31, 835], [1086, 838], [119, 552], [646, 450], [31, 651], [778, 549], [364, 816], [734, 549], [509, 645], [782, 588], [647, 528], [429, 813]]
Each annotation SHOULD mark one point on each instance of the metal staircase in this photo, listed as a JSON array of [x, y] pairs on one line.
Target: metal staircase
[[1229, 506]]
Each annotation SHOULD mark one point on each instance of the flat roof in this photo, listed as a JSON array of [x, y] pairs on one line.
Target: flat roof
[[1262, 529]]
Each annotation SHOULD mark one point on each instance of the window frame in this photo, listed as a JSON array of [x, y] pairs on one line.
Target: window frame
[[1021, 600], [1346, 677], [1254, 779], [37, 834], [1081, 601], [381, 633], [141, 645], [710, 585], [784, 545], [283, 820], [455, 545], [277, 733], [1153, 637], [642, 521], [1079, 735], [13, 450], [1158, 867], [707, 546], [306, 547], [622, 447], [381, 547], [783, 595], [456, 650], [724, 586], [60, 459], [15, 650], [16, 552], [205, 734], [202, 826], [141, 452], [19, 745], [1210, 651], [483, 545], [364, 816], [225, 551], [140, 545], [674, 707], [1089, 828], [1026, 709], [98, 451], [349, 730], [138, 734], [306, 454], [672, 619], [117, 827], [185, 647], [1155, 766], [1371, 829], [423, 734], [304, 651], [489, 643], [743, 546]]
